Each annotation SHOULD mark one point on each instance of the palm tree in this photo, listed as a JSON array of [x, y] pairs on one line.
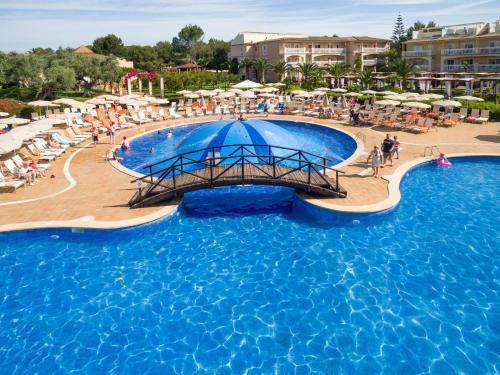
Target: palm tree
[[246, 64], [308, 71], [337, 71], [404, 69], [366, 77], [280, 68], [261, 65]]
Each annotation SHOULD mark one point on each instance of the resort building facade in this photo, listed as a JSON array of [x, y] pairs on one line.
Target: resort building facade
[[471, 47], [296, 49]]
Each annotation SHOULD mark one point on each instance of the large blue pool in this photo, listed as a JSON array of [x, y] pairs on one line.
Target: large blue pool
[[319, 140], [238, 283]]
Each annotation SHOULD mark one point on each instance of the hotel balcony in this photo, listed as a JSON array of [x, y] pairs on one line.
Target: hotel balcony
[[294, 51], [422, 67], [294, 63], [490, 68], [370, 62], [471, 51], [328, 51], [421, 53], [322, 63], [373, 50]]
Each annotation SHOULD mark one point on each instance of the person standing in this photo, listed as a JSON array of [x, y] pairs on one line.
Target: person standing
[[387, 146], [111, 132], [95, 135], [395, 149], [377, 160]]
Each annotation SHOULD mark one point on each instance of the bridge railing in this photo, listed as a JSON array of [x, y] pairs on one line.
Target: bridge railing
[[237, 155]]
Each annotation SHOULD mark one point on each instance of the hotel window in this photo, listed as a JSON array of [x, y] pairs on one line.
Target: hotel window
[[494, 61], [468, 45], [317, 46], [241, 51], [467, 61], [449, 62], [264, 49], [297, 45]]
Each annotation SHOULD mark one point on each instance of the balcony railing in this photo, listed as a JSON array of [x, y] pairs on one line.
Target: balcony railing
[[326, 63], [493, 68], [328, 51], [471, 51], [422, 67], [370, 62], [488, 68], [421, 53], [374, 49], [294, 51]]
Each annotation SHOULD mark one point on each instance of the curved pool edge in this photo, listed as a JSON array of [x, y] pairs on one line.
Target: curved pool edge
[[88, 222], [393, 187], [357, 151]]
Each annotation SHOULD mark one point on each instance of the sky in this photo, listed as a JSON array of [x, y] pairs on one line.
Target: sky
[[25, 24]]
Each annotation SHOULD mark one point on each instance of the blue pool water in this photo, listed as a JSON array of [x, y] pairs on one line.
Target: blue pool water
[[315, 139], [238, 283]]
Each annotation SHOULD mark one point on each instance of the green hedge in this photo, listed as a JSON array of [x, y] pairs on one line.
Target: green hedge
[[494, 108]]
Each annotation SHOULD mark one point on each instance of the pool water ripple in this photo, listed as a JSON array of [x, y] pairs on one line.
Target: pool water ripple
[[235, 283]]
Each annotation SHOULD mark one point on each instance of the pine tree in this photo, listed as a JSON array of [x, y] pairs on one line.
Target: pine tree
[[398, 35]]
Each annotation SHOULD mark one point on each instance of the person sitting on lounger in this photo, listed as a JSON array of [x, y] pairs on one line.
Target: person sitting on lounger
[[26, 173], [36, 171]]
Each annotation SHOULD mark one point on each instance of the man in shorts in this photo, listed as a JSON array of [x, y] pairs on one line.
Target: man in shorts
[[387, 146]]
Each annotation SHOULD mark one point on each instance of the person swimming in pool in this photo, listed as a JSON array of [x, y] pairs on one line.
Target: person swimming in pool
[[125, 145]]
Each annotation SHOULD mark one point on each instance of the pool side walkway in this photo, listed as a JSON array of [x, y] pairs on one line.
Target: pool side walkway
[[88, 191]]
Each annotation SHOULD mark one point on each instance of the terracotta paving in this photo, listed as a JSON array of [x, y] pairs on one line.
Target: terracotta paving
[[103, 191]]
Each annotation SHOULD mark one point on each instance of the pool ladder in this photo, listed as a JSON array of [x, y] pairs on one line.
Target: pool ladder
[[433, 150]]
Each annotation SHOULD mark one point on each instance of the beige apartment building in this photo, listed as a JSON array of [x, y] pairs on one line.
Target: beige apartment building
[[296, 49], [472, 47]]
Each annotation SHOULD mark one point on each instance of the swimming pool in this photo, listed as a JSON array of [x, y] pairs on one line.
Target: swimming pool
[[234, 282], [315, 139]]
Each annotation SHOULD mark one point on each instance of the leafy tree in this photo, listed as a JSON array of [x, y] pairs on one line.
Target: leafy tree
[[337, 71], [399, 34], [234, 67], [418, 26], [56, 77], [280, 68], [144, 57], [218, 50], [165, 52], [246, 64], [186, 38], [261, 65], [403, 68], [108, 45], [219, 59]]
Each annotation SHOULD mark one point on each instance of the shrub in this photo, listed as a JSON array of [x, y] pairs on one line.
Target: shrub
[[494, 108]]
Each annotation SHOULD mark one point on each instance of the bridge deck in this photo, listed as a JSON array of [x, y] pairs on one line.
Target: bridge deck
[[252, 174]]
